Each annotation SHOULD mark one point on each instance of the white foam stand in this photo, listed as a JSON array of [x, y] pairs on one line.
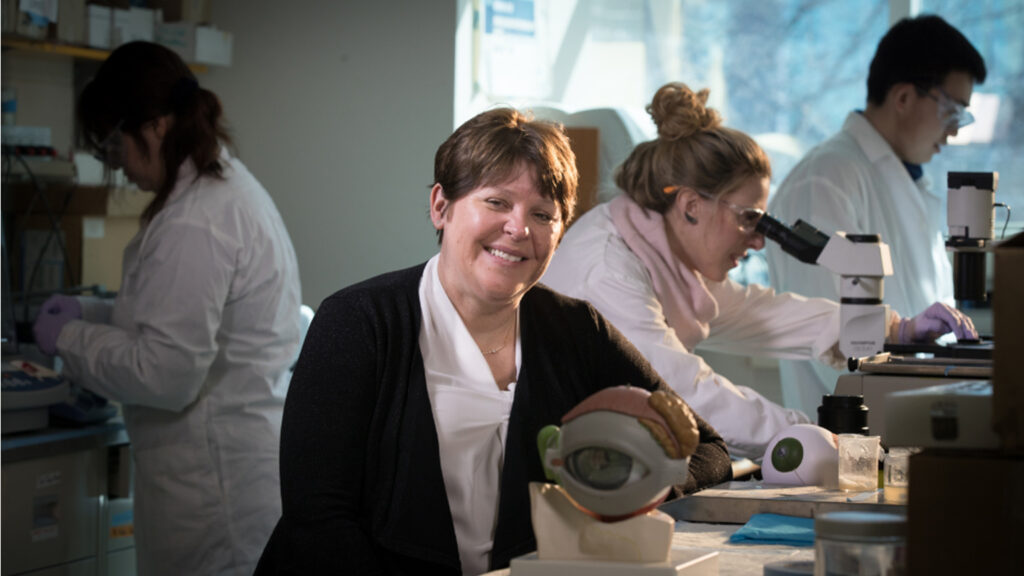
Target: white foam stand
[[571, 542], [681, 563]]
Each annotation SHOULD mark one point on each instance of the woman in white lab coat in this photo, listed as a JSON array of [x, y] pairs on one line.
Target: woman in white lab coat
[[655, 260], [198, 344]]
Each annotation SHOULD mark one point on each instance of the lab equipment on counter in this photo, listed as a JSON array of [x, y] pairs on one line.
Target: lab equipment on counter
[[860, 544], [880, 375], [843, 414], [970, 213], [735, 502], [862, 262], [28, 391], [801, 455], [82, 407], [953, 415]]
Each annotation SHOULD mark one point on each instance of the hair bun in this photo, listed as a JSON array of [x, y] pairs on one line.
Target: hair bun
[[679, 112]]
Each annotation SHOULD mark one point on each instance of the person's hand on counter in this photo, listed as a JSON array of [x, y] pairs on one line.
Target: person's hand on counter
[[57, 311]]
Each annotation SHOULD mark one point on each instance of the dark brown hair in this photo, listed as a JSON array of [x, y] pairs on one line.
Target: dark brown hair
[[140, 82], [693, 149], [488, 149], [921, 51]]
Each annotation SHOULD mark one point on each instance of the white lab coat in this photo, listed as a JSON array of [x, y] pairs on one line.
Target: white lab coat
[[594, 263], [854, 182], [200, 341]]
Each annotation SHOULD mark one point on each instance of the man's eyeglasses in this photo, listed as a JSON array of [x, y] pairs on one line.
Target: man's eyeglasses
[[747, 217], [109, 148], [951, 112]]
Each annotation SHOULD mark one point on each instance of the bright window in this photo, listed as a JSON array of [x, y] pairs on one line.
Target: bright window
[[785, 71]]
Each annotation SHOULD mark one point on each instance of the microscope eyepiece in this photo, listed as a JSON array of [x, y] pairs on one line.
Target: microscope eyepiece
[[803, 241], [770, 227]]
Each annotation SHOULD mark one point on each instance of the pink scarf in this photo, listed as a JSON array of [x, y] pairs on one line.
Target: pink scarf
[[685, 300]]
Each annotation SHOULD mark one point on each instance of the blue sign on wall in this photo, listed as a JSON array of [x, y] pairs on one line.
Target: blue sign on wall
[[514, 17]]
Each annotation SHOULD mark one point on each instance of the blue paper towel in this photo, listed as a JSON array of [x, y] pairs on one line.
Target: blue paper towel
[[776, 529]]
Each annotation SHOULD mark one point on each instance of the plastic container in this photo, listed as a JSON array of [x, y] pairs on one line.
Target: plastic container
[[858, 462], [860, 544], [897, 475], [843, 414]]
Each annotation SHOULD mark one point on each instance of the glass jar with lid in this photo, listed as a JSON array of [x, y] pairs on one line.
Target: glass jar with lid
[[860, 544]]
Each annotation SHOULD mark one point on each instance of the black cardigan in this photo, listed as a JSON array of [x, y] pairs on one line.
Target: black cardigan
[[361, 483]]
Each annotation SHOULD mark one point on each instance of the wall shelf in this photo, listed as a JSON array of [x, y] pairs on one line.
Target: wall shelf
[[70, 50]]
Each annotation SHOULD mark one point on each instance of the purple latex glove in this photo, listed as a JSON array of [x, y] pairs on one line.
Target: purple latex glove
[[936, 320], [57, 311]]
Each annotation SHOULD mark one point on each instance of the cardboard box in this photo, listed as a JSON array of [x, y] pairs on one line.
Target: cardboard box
[[83, 200], [213, 46], [133, 24], [99, 26], [1008, 339], [104, 239], [71, 22], [28, 234], [585, 143], [35, 248], [178, 36], [965, 513], [194, 11], [96, 227]]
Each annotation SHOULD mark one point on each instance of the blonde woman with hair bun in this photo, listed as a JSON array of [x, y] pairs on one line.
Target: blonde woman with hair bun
[[655, 259]]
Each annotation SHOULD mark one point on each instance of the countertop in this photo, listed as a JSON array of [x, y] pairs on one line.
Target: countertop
[[55, 440]]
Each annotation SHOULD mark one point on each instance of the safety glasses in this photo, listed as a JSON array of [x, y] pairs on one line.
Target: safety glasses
[[951, 112], [109, 148], [747, 217]]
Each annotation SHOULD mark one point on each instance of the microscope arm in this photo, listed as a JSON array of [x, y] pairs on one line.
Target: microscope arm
[[861, 260], [842, 253]]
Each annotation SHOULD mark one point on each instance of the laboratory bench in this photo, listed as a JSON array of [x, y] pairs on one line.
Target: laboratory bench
[[730, 558], [67, 501]]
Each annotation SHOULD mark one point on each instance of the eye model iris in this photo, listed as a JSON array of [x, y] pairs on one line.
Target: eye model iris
[[601, 468], [787, 455]]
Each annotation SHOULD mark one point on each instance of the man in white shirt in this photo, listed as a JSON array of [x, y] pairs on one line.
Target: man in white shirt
[[868, 178]]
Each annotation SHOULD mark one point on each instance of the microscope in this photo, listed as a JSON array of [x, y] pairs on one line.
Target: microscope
[[970, 214], [905, 367], [862, 262]]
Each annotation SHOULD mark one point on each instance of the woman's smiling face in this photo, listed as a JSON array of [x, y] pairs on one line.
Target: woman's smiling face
[[498, 240]]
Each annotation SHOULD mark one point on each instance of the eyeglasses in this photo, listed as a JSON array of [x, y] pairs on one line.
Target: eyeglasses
[[951, 112], [110, 147], [747, 217]]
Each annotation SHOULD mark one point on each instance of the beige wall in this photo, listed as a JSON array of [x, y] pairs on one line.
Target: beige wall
[[338, 107]]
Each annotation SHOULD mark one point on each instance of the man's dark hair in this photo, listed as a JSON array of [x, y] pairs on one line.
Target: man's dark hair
[[921, 51]]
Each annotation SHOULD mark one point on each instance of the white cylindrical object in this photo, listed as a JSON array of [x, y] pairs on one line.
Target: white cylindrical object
[[971, 212]]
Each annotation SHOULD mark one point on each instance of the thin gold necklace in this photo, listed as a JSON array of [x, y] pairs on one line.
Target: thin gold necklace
[[504, 341]]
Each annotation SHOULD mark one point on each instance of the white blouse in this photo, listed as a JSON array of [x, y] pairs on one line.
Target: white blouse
[[471, 417]]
